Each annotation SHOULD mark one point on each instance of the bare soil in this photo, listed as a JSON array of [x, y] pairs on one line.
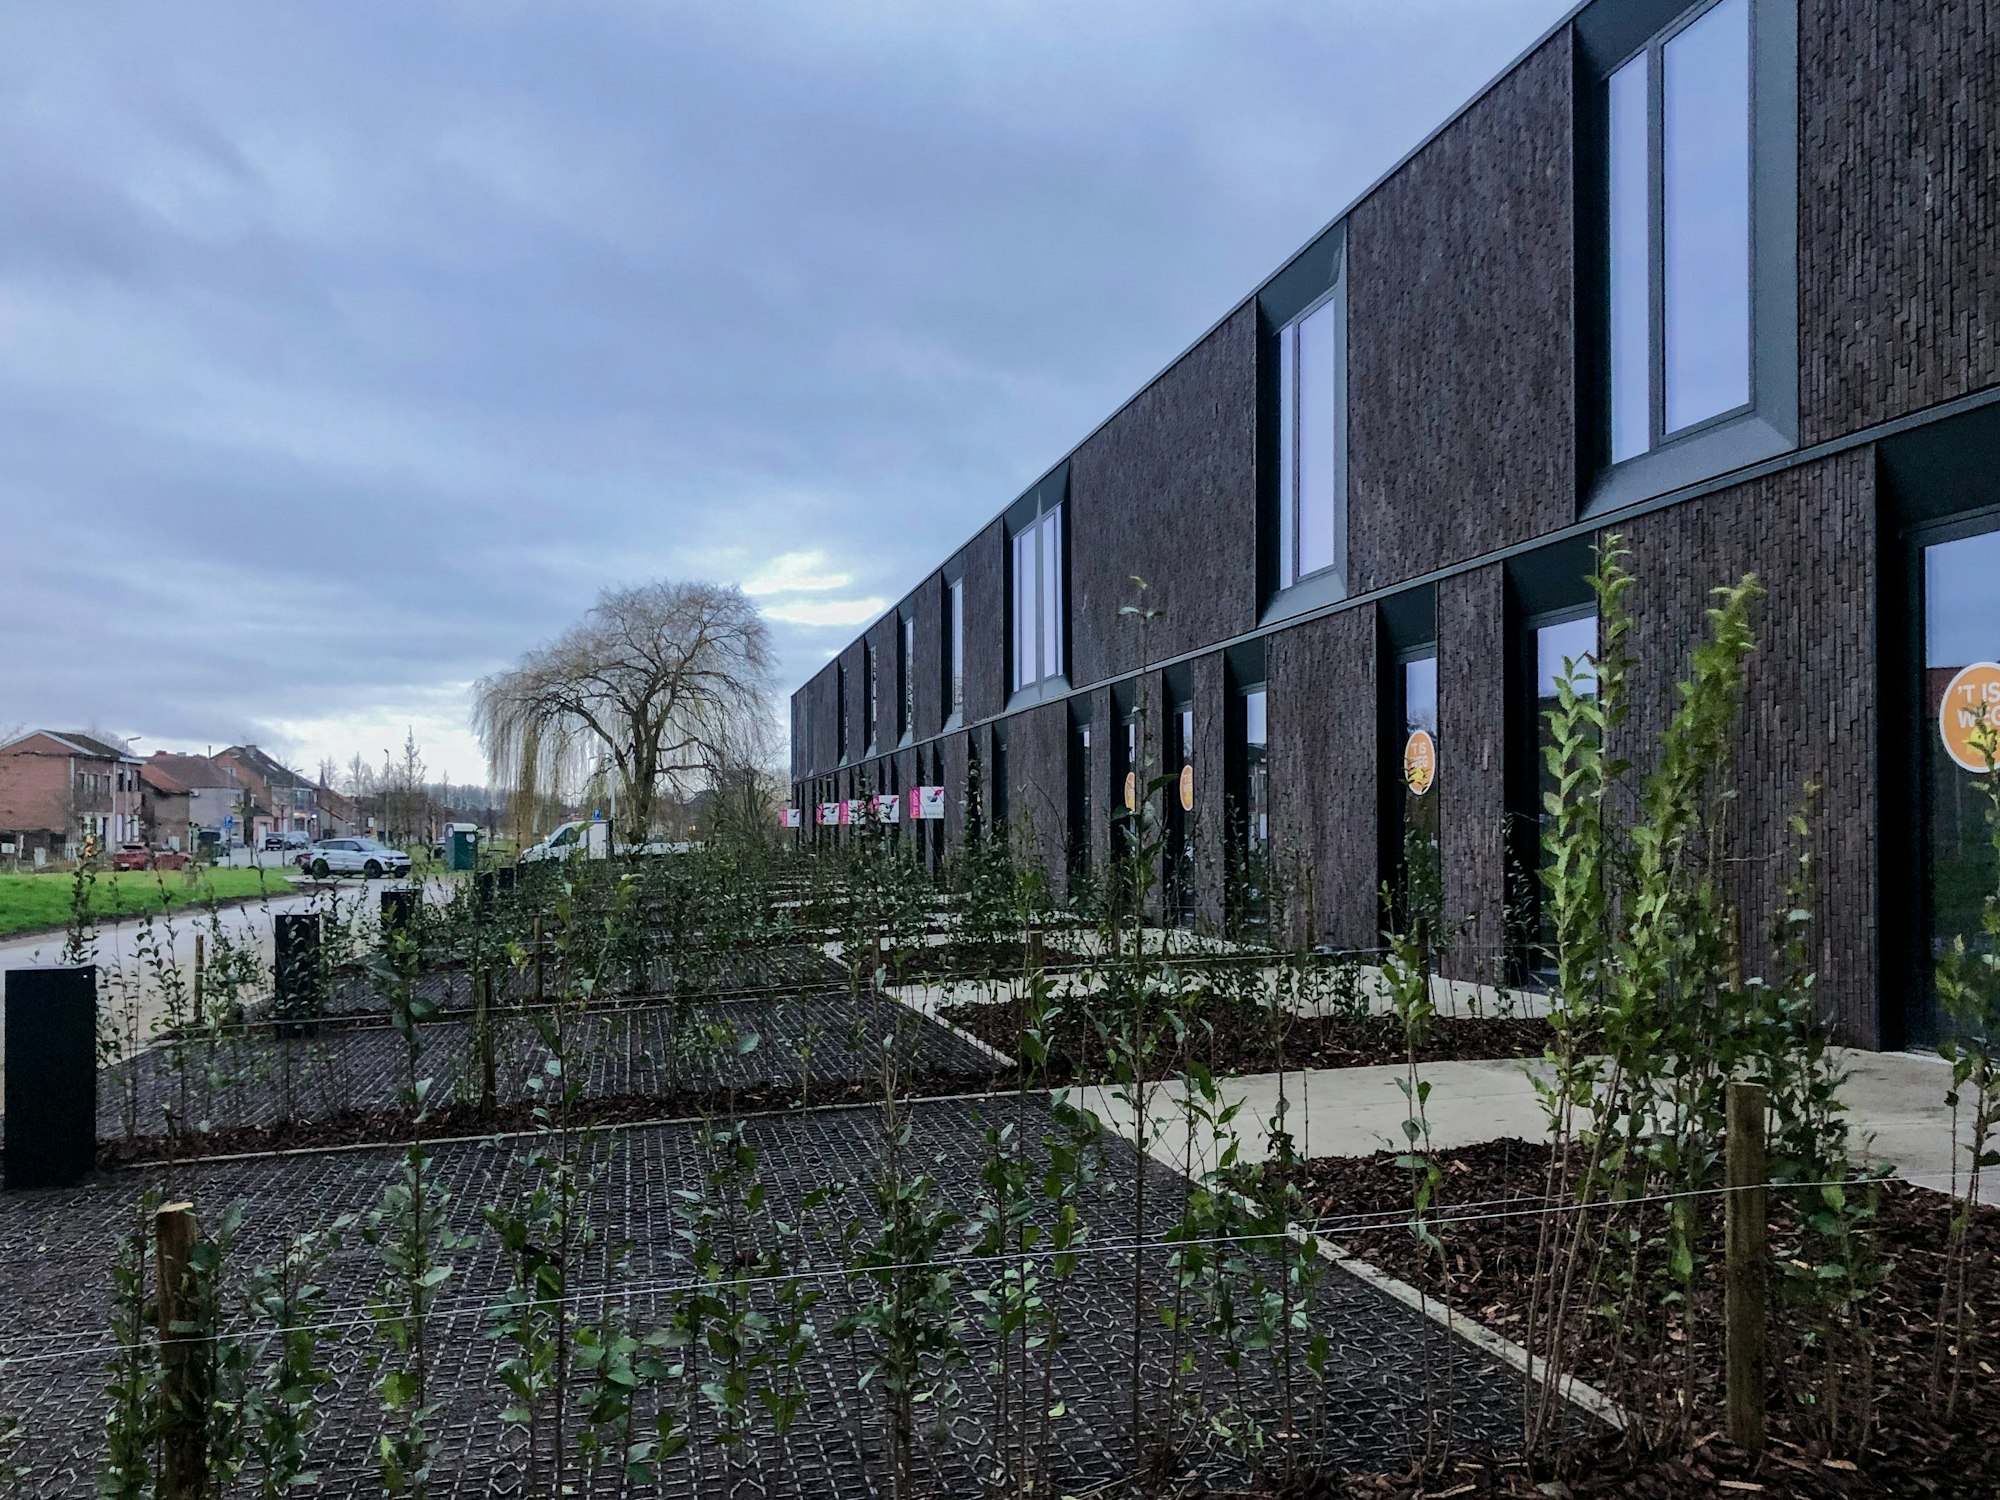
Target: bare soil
[[1231, 1038]]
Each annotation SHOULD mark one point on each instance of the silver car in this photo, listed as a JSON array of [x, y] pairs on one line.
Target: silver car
[[354, 856]]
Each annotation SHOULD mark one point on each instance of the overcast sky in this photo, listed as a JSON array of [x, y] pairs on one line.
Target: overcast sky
[[347, 349]]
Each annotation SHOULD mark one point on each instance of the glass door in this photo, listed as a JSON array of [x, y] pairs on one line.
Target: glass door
[[1960, 708], [1180, 819]]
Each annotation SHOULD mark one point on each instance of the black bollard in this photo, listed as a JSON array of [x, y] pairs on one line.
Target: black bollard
[[51, 1076], [299, 999], [399, 912], [484, 885], [504, 876]]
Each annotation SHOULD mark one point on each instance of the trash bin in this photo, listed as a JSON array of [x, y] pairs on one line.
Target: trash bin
[[51, 1029]]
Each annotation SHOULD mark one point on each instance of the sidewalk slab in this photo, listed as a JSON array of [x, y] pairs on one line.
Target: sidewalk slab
[[1895, 1102]]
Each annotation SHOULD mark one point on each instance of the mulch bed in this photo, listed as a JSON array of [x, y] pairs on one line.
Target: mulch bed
[[1230, 1038], [1486, 1270], [393, 1126]]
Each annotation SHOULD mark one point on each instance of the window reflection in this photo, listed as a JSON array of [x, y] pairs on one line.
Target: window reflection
[[1961, 627], [1630, 252], [1706, 154]]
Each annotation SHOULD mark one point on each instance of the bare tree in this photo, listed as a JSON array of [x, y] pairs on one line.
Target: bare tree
[[647, 689], [749, 780], [404, 798], [360, 777]]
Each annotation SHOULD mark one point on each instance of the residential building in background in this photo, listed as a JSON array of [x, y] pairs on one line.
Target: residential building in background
[[164, 809], [61, 788], [218, 798], [1716, 279], [281, 800]]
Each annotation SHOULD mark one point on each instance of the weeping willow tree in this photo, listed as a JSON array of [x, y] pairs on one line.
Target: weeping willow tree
[[651, 690]]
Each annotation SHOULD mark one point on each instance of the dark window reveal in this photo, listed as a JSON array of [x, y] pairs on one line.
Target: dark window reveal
[[1037, 636], [1312, 446], [954, 648], [906, 677]]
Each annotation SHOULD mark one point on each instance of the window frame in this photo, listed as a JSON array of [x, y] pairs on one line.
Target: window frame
[[952, 657], [906, 676], [1609, 36], [840, 712], [1314, 281], [1289, 518], [1037, 534], [871, 702]]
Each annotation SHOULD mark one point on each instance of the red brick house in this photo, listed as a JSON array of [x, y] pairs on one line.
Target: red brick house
[[59, 788], [164, 803]]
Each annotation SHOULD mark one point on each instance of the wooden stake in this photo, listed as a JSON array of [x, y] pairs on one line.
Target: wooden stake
[[200, 963], [1038, 953], [183, 1405], [484, 1022], [1746, 1257]]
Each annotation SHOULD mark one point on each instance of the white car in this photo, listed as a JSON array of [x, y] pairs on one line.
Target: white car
[[355, 856]]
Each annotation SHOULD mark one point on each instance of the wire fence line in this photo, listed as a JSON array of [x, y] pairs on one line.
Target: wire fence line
[[350, 1317]]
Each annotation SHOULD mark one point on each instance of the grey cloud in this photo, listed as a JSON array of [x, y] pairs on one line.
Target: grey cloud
[[347, 350]]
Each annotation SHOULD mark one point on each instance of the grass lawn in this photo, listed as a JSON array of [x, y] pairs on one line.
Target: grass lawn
[[28, 902]]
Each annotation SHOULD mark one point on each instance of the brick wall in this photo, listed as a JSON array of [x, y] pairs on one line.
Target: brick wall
[[1899, 207], [1211, 784], [1321, 679], [1471, 779], [986, 623], [1038, 788], [1167, 491], [1809, 535], [928, 660], [1461, 342]]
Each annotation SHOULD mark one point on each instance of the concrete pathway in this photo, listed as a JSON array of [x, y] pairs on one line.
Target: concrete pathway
[[1895, 1100]]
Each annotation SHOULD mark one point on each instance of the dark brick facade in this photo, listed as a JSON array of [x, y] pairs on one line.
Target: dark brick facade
[[928, 602], [1166, 491], [1472, 766], [1322, 685], [1809, 536], [985, 617], [1466, 300], [1899, 207], [1461, 342]]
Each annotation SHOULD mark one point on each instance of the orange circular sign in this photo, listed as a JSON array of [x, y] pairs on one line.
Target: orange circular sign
[[1187, 788], [1131, 791], [1420, 761], [1969, 716]]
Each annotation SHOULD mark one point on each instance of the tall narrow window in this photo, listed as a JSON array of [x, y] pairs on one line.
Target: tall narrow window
[[1563, 648], [906, 677], [1000, 780], [1416, 874], [1312, 424], [1180, 821], [954, 648], [1038, 599], [872, 701], [840, 709], [1080, 830], [1125, 789], [1250, 882], [1678, 237]]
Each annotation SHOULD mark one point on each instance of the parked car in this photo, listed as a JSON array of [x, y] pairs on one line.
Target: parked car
[[356, 856], [145, 857], [282, 841]]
